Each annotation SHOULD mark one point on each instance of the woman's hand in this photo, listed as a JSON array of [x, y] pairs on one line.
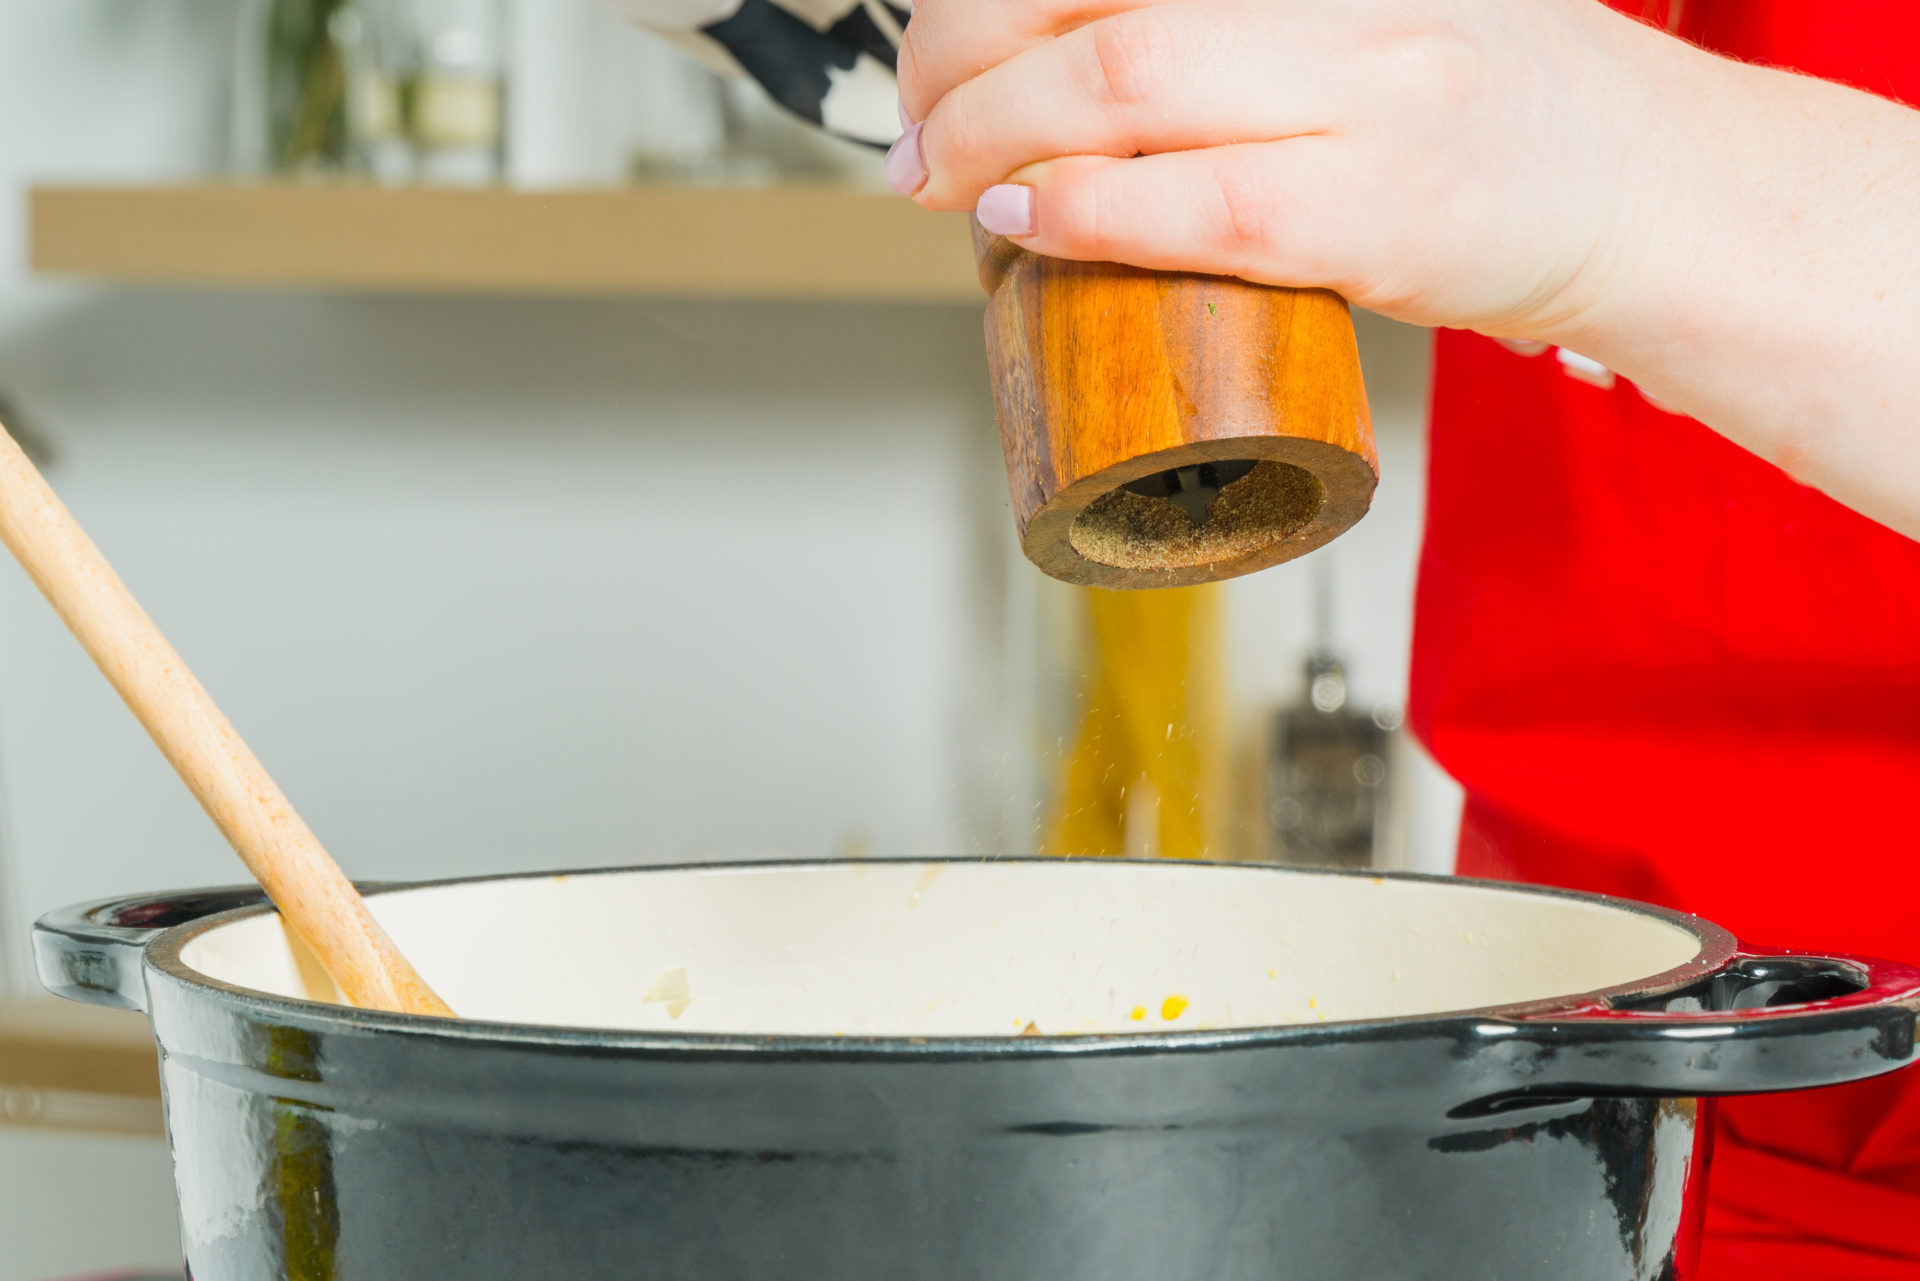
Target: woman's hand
[[1743, 243], [1458, 162]]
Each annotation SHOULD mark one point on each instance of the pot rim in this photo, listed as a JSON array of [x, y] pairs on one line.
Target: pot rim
[[161, 954]]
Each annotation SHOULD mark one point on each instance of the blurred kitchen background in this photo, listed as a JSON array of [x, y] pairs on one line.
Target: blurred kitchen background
[[656, 517]]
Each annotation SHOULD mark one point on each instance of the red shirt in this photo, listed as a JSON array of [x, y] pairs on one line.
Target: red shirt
[[1663, 669]]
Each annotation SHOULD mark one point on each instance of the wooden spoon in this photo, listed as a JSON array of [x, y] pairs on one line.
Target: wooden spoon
[[304, 882]]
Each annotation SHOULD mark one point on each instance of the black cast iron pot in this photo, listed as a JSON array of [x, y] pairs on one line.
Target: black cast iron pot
[[994, 1070]]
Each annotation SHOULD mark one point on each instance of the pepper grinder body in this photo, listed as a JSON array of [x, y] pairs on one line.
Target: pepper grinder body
[[1163, 429]]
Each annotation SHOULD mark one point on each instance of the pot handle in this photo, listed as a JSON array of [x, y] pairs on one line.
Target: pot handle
[[91, 952], [1765, 1021]]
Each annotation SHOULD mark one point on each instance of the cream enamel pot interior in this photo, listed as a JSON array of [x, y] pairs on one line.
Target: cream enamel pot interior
[[819, 1070], [973, 950]]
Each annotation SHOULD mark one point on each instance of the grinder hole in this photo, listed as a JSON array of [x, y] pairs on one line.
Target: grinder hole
[[1203, 514], [1192, 489]]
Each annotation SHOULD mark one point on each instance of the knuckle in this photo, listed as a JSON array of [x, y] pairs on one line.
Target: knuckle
[[907, 69], [1078, 220], [956, 134], [1440, 69], [1131, 56], [1246, 208]]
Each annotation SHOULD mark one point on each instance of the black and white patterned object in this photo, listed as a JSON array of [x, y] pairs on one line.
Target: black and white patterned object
[[827, 61]]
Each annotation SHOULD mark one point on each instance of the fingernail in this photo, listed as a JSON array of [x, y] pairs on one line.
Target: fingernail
[[906, 121], [906, 167], [1006, 210]]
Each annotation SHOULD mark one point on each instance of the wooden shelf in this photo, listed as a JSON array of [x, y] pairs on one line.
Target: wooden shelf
[[782, 242], [77, 1067]]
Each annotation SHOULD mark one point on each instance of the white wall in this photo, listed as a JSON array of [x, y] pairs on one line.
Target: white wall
[[88, 88], [506, 584], [79, 1204]]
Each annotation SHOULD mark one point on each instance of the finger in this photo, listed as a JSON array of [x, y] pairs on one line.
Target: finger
[[1166, 78], [948, 42], [1266, 212]]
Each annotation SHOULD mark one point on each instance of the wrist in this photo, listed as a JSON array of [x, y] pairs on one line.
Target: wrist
[[1662, 170]]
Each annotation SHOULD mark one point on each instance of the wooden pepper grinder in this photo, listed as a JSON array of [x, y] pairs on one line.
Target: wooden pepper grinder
[[1163, 429]]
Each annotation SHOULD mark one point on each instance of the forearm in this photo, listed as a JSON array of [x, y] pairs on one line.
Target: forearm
[[1772, 287]]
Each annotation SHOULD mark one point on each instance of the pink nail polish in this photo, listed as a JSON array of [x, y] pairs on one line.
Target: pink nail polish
[[906, 166], [1006, 210]]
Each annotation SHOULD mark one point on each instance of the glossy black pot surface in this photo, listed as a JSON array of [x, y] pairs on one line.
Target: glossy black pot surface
[[1550, 1138]]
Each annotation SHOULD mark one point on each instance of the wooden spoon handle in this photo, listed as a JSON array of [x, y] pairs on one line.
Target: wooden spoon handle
[[283, 854]]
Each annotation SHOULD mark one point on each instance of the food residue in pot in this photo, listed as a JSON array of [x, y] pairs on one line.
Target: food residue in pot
[[1173, 1007], [925, 883], [672, 990], [1138, 1013], [1031, 1029]]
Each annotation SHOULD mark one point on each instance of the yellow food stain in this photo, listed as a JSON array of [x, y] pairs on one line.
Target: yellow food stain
[[925, 883], [1313, 1002], [1272, 973], [672, 990], [1137, 1013], [1173, 1007]]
